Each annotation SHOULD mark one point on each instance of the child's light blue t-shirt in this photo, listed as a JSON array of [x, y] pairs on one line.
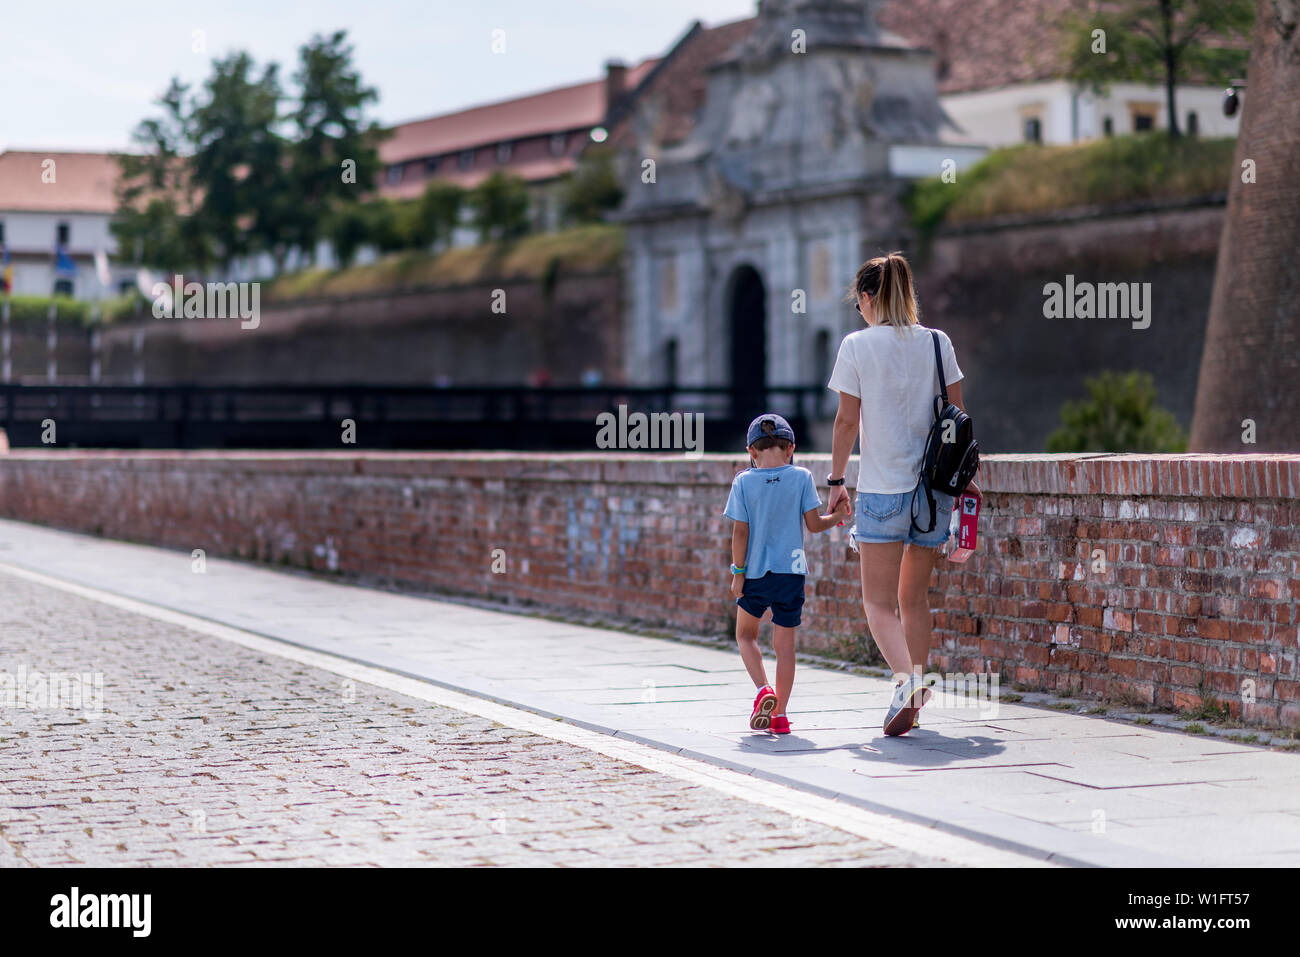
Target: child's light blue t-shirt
[[773, 502]]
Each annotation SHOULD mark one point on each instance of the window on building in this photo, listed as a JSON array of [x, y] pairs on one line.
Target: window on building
[[125, 286], [466, 159], [1193, 123], [63, 287], [1107, 126], [394, 174], [1143, 116], [670, 362], [2, 232], [1033, 129], [431, 166], [504, 151], [63, 231], [558, 143]]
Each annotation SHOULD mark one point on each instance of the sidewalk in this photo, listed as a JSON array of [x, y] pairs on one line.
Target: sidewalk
[[1065, 788]]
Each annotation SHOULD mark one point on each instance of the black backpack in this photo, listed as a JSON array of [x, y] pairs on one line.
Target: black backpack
[[946, 467]]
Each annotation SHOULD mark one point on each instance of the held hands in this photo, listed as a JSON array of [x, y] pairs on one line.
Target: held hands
[[840, 495], [842, 510]]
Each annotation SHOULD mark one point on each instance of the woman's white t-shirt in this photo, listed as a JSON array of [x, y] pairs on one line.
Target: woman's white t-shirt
[[891, 369]]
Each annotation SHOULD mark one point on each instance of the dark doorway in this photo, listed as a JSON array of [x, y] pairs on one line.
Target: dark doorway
[[748, 303]]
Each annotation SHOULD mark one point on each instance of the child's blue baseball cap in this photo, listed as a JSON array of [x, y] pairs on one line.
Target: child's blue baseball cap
[[769, 423]]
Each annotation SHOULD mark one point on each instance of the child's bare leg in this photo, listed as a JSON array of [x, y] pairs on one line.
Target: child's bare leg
[[783, 643], [750, 653]]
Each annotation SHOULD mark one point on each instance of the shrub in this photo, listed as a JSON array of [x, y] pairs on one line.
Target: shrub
[[1120, 415], [501, 206]]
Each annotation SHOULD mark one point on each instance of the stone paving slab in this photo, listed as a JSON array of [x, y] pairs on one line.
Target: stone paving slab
[[998, 777], [215, 755]]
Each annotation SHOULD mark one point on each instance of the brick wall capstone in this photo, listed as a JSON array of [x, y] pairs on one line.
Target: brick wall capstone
[[1170, 580]]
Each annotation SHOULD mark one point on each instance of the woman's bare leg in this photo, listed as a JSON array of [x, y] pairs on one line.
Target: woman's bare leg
[[880, 576], [914, 601]]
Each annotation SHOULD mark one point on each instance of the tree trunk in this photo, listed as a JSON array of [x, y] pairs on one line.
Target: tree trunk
[[1171, 66], [1251, 359]]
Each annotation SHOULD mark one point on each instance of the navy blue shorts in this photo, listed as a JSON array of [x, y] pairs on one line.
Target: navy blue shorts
[[782, 593]]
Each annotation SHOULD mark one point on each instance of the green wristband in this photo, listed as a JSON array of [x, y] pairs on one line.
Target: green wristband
[[737, 569]]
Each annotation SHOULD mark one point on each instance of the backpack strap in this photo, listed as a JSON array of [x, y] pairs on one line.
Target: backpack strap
[[922, 484], [938, 361]]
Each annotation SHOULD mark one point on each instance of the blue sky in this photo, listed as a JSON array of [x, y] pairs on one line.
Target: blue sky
[[81, 74]]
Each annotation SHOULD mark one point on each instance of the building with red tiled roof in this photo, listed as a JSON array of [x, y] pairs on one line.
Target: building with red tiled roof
[[538, 137], [1000, 70], [51, 200]]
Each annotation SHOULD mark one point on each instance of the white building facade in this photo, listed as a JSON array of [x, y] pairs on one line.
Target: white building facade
[[1057, 113], [51, 201]]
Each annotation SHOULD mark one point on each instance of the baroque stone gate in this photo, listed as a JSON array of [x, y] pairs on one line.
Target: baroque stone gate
[[743, 237]]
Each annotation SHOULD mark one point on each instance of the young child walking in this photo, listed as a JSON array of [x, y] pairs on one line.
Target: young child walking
[[771, 502]]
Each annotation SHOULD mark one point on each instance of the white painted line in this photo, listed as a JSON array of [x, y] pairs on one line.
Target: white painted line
[[906, 835]]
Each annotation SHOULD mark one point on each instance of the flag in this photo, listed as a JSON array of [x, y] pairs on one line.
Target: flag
[[101, 268], [63, 263], [145, 282]]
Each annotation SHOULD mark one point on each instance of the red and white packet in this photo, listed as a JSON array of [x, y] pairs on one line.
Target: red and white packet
[[963, 526]]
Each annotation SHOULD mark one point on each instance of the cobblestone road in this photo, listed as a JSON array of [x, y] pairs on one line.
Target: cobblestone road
[[211, 754]]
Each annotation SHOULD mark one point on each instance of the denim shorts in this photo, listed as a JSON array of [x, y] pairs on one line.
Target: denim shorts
[[888, 518], [783, 593]]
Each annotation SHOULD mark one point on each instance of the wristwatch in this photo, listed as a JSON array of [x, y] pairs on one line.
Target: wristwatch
[[737, 569], [831, 481]]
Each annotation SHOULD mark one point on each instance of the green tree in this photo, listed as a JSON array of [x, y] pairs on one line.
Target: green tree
[[157, 194], [1153, 41], [501, 207], [330, 130], [593, 189], [239, 160], [1120, 415], [439, 213], [389, 224], [348, 228]]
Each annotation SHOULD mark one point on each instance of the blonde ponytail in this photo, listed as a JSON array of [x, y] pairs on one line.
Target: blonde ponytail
[[888, 281]]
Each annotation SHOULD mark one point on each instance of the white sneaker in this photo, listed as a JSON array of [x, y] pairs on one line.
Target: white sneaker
[[908, 698]]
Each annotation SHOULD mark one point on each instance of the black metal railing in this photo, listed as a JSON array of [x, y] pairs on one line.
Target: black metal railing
[[395, 417]]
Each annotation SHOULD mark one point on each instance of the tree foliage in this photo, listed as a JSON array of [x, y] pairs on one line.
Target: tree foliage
[[225, 173], [1158, 41], [500, 206], [439, 211], [593, 189], [157, 192], [331, 138]]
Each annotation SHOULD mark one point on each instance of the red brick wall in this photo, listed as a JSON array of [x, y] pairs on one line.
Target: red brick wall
[[1198, 596]]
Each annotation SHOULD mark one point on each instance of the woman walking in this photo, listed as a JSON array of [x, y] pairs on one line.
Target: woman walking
[[887, 379]]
